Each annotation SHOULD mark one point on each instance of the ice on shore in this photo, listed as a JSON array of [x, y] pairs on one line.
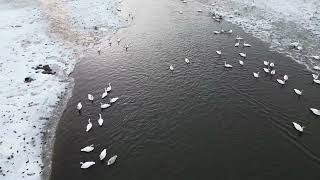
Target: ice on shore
[[278, 22], [29, 39]]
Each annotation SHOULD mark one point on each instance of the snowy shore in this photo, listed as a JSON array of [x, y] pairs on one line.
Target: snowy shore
[[279, 23], [40, 43]]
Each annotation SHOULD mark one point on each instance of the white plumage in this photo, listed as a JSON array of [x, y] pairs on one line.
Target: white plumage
[[112, 160]]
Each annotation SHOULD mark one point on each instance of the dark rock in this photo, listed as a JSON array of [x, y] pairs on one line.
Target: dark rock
[[28, 79], [46, 69]]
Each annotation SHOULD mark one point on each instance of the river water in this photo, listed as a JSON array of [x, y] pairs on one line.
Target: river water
[[200, 121]]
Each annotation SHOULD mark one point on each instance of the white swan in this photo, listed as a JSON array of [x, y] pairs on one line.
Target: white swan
[[317, 81], [109, 88], [298, 127], [266, 70], [236, 44], [315, 76], [316, 68], [90, 97], [89, 126], [316, 57], [230, 31], [281, 81], [227, 65], [256, 75], [103, 154], [243, 55], [266, 63], [273, 72], [180, 12], [216, 32], [272, 64], [105, 93], [186, 60], [112, 160], [171, 68], [219, 52], [104, 106], [239, 38], [246, 44], [315, 111], [241, 62], [86, 165], [113, 100], [199, 11], [297, 91], [88, 148], [79, 106], [100, 120], [285, 77]]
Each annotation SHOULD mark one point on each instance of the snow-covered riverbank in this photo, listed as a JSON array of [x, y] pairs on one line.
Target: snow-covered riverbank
[[33, 34], [278, 22]]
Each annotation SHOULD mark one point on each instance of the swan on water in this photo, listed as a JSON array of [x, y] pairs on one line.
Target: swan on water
[[272, 64], [103, 154], [273, 72], [243, 55], [317, 81], [104, 106], [266, 63], [241, 62], [88, 148], [105, 93], [219, 52], [246, 44], [227, 65], [230, 31], [239, 38], [100, 120], [90, 97], [79, 106], [256, 75], [298, 127], [315, 111], [184, 1], [199, 11], [237, 44], [281, 81], [186, 60], [180, 12], [113, 100], [216, 32], [315, 76], [112, 160], [316, 68], [316, 57], [89, 125], [266, 70], [297, 91], [86, 165], [285, 77], [171, 68], [109, 88], [118, 40]]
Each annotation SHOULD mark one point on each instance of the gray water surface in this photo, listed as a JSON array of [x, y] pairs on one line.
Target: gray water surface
[[200, 121]]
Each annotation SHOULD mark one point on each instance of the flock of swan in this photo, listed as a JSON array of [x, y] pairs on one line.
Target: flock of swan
[[87, 149], [268, 69]]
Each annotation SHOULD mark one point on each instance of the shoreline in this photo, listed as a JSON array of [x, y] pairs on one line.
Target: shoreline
[[272, 22], [34, 36]]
